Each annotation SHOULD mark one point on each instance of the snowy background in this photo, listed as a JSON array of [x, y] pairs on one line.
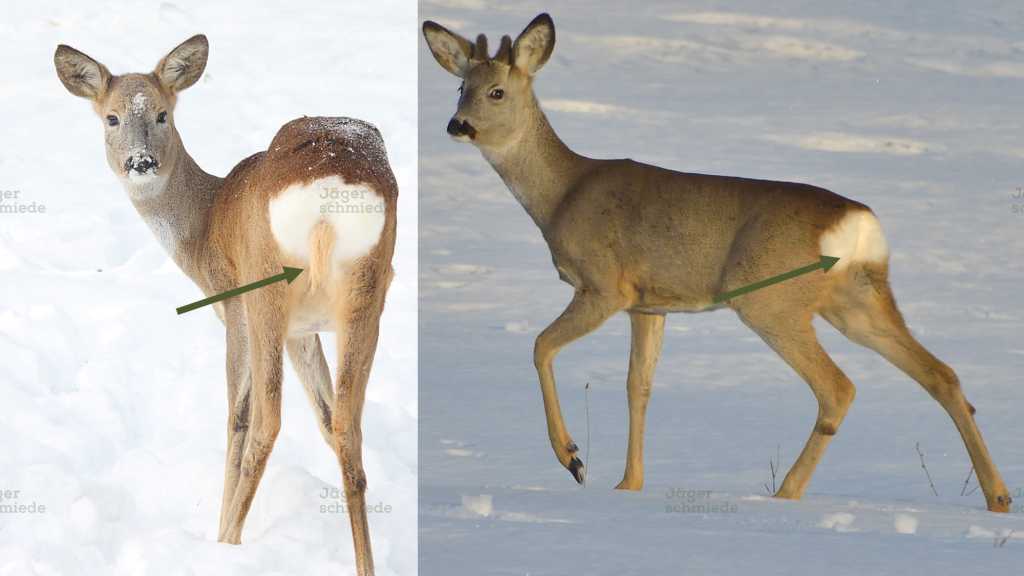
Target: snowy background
[[911, 107], [112, 408]]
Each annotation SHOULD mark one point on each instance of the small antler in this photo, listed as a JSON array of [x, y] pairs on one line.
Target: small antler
[[505, 50], [480, 49]]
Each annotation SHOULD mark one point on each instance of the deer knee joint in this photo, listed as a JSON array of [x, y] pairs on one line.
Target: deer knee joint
[[265, 432], [831, 413], [348, 441], [541, 352], [845, 393], [240, 422], [240, 413], [645, 389], [826, 427], [355, 480], [945, 386]]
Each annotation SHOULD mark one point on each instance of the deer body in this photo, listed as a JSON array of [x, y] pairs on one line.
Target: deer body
[[645, 216], [321, 198], [649, 241]]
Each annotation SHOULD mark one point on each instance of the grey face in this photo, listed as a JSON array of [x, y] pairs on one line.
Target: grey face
[[139, 131], [494, 101], [136, 109], [496, 95]]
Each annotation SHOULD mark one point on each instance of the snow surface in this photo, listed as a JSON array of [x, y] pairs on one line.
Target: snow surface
[[112, 408], [910, 107]]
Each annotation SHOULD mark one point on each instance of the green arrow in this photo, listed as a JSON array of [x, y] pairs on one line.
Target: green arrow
[[826, 263], [289, 274]]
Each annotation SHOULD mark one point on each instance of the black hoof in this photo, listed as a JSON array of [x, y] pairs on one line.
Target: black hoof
[[576, 468]]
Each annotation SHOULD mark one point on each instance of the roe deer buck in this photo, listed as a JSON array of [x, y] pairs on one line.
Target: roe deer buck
[[268, 213], [633, 237]]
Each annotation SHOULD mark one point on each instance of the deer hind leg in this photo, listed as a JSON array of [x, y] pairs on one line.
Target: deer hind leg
[[267, 325], [238, 429], [239, 379], [307, 358], [865, 311], [587, 311], [647, 331], [793, 339], [359, 307]]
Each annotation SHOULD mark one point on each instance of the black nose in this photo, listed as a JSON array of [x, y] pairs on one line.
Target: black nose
[[141, 163], [463, 128]]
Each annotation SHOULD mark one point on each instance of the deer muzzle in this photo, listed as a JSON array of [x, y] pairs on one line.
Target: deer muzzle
[[141, 163], [458, 128]]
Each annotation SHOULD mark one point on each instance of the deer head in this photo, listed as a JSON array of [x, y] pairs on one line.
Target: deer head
[[496, 99], [137, 110]]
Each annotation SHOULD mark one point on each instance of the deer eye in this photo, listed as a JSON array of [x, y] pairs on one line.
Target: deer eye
[[496, 94], [112, 120], [161, 118]]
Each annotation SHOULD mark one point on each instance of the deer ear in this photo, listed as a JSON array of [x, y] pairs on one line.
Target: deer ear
[[80, 74], [534, 45], [183, 66], [450, 50]]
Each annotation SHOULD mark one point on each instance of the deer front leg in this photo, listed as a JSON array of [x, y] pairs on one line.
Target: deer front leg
[[239, 380], [587, 311], [266, 322], [647, 333], [358, 327]]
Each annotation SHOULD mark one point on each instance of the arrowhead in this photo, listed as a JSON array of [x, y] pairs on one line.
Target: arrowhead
[[827, 262], [291, 274]]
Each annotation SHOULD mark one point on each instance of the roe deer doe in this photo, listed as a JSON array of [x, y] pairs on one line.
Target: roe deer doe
[[629, 236], [267, 214]]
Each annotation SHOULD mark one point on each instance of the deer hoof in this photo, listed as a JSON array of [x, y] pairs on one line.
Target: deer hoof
[[576, 468]]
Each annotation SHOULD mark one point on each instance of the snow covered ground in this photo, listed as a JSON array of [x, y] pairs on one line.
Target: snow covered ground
[[112, 408], [910, 107]]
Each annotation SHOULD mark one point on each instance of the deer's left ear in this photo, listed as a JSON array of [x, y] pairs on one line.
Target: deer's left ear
[[183, 66], [534, 45]]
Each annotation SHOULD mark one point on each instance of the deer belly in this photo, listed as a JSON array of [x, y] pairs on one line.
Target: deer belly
[[327, 221]]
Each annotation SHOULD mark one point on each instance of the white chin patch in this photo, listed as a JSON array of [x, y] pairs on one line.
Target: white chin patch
[[462, 138], [857, 237], [354, 211], [141, 177]]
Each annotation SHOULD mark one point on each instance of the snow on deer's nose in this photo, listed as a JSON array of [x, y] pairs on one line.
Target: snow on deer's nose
[[141, 164]]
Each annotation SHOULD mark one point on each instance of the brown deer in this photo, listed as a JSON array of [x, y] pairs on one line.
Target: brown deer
[[629, 236], [321, 198]]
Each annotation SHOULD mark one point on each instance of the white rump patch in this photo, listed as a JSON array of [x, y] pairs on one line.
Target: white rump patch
[[856, 238], [355, 212]]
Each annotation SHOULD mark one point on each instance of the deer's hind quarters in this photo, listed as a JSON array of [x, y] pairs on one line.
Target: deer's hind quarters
[[321, 197], [741, 239]]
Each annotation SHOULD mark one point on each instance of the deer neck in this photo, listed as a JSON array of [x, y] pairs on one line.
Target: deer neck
[[537, 167], [176, 207]]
